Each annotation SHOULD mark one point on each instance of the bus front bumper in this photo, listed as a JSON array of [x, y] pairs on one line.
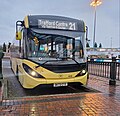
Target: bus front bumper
[[33, 82]]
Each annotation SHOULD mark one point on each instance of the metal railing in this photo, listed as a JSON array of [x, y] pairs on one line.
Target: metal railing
[[109, 68], [118, 71]]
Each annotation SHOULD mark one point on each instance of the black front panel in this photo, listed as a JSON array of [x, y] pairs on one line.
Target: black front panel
[[65, 68]]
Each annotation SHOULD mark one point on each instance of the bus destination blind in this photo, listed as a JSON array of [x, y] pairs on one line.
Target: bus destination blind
[[55, 24]]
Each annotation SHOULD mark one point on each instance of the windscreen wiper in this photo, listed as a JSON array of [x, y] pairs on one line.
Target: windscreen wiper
[[69, 58], [46, 62], [62, 58]]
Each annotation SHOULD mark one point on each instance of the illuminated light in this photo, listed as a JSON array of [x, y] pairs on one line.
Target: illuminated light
[[71, 56], [83, 71], [95, 3], [33, 73]]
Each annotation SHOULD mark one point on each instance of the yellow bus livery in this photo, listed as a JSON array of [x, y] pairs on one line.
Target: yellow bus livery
[[51, 50]]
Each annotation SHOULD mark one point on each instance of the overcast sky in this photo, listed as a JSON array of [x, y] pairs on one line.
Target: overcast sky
[[107, 24]]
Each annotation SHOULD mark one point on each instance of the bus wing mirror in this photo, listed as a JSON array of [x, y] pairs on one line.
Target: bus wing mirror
[[18, 35], [86, 33], [19, 25]]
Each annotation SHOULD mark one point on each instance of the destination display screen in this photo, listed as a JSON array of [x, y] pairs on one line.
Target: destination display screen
[[55, 24]]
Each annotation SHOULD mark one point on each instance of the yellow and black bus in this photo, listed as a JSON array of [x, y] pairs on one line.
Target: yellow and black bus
[[51, 51]]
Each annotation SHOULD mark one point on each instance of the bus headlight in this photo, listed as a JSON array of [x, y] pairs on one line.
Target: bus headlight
[[81, 73], [31, 72]]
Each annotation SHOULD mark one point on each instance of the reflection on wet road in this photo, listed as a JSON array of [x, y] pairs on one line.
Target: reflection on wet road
[[16, 90]]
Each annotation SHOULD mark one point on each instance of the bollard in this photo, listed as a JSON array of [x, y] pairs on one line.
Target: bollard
[[1, 76], [112, 80]]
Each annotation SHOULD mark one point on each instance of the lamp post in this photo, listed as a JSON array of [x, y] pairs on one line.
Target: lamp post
[[95, 3]]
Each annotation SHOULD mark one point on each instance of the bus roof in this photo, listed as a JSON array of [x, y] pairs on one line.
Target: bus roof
[[54, 22]]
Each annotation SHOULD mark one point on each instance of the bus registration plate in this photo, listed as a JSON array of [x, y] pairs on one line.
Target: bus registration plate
[[60, 84]]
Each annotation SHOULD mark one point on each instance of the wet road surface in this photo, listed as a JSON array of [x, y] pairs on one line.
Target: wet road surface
[[16, 90]]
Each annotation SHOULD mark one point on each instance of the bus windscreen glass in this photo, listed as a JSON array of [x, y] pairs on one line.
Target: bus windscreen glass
[[55, 47]]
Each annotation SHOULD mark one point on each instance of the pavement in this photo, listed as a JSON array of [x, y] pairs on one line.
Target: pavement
[[106, 102]]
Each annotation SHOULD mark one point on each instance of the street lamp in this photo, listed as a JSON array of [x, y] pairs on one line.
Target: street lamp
[[95, 3]]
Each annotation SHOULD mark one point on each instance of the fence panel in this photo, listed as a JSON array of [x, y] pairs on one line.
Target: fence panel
[[104, 67]]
